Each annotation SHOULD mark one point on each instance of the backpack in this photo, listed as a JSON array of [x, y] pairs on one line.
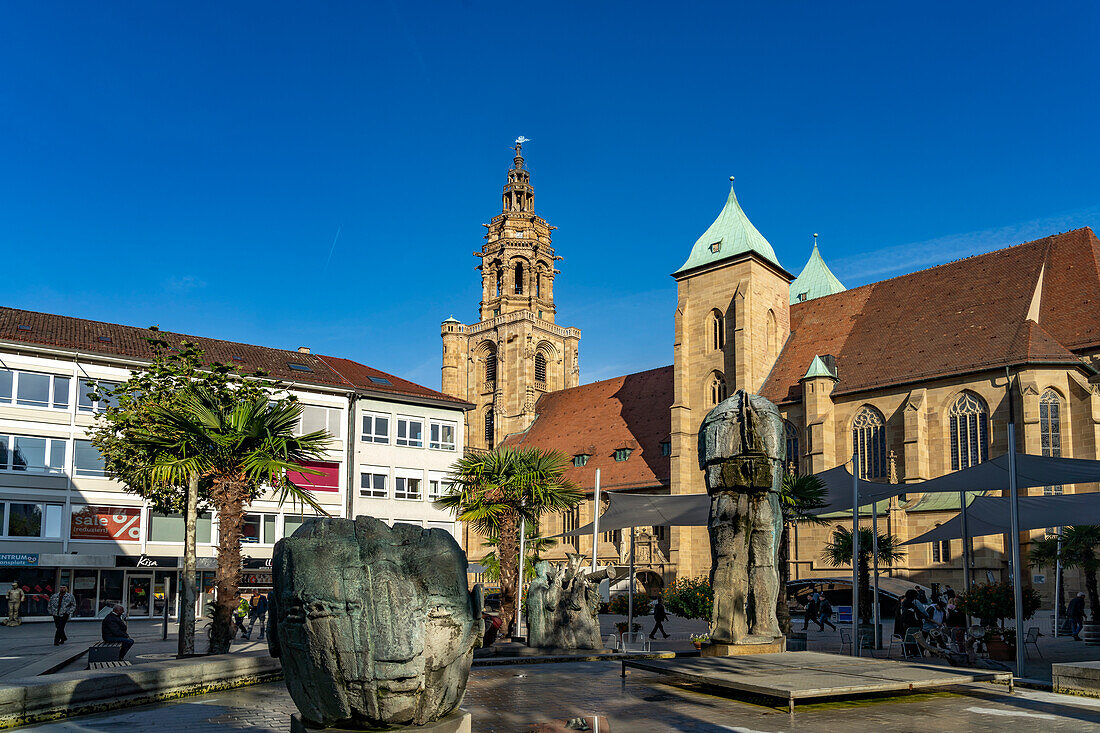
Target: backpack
[[826, 607]]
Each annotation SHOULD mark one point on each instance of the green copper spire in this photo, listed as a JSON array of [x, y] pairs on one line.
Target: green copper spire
[[815, 280], [818, 368], [730, 235]]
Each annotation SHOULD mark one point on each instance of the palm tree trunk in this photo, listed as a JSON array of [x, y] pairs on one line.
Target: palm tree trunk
[[507, 555], [229, 498], [782, 611], [1094, 597], [187, 590]]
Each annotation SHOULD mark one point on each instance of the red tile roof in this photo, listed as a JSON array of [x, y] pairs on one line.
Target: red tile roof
[[632, 411], [114, 340], [965, 316]]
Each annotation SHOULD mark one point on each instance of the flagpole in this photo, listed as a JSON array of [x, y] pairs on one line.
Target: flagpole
[[855, 553], [1014, 520], [874, 558], [522, 564], [596, 521]]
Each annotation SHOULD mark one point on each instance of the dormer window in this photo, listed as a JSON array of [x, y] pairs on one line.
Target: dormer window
[[802, 297], [621, 454], [715, 246], [666, 448], [580, 459]]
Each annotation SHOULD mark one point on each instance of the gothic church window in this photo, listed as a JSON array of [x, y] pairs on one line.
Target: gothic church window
[[941, 550], [491, 366], [717, 332], [490, 433], [792, 446], [519, 278], [717, 389], [540, 367], [500, 282], [1050, 430], [869, 443], [969, 423]]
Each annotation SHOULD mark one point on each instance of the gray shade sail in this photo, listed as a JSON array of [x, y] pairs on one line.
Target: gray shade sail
[[1031, 471], [989, 515], [650, 510]]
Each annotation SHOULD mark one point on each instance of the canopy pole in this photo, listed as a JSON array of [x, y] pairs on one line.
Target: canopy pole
[[1014, 515], [874, 558], [966, 543], [596, 521], [522, 567], [1058, 583], [855, 553], [630, 589]]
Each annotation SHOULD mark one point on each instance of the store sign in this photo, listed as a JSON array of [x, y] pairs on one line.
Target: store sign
[[145, 561], [18, 559], [256, 563], [120, 524]]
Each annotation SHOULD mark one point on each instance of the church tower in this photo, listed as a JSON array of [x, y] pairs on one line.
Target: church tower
[[515, 352], [732, 319]]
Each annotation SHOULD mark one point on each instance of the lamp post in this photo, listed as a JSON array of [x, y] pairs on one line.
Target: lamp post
[[855, 553]]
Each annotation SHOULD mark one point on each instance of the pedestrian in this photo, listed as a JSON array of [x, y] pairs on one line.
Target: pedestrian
[[15, 600], [258, 612], [912, 619], [949, 593], [825, 612], [62, 605], [659, 618], [955, 621], [1076, 612], [811, 610], [240, 613], [114, 629]]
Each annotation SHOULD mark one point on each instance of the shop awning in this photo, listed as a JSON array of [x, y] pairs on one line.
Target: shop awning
[[989, 515]]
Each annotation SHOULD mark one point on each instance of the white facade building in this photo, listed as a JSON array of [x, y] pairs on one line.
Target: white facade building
[[62, 521]]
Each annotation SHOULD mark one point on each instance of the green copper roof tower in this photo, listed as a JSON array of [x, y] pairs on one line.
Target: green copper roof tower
[[730, 235], [815, 280]]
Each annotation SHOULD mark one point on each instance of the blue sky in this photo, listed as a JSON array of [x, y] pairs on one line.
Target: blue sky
[[317, 173]]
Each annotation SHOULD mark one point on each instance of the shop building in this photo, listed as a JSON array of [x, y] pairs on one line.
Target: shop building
[[63, 521]]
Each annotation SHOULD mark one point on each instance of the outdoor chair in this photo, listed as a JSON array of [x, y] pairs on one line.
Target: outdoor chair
[[637, 641], [890, 649], [910, 647], [865, 642], [977, 634], [1032, 637]]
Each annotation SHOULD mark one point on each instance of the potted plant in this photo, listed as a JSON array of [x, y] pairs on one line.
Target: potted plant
[[699, 639], [621, 627], [992, 603]]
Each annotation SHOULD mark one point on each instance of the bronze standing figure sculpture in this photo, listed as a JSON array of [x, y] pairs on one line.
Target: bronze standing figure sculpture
[[741, 449]]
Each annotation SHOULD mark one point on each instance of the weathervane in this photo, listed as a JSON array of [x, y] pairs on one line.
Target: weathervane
[[519, 143]]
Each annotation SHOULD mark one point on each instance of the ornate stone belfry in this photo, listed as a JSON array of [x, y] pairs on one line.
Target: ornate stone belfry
[[515, 352]]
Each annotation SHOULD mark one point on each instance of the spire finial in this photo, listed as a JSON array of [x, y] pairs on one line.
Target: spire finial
[[731, 179], [815, 240]]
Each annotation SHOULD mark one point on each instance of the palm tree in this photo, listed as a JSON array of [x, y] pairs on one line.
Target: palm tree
[[494, 491], [838, 553], [533, 547], [801, 495], [1079, 545], [241, 446]]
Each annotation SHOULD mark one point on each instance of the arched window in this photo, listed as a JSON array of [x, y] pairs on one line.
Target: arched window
[[869, 443], [500, 282], [717, 332], [538, 284], [793, 454], [540, 367], [716, 390], [489, 431], [773, 335], [969, 422], [519, 278], [941, 550], [491, 365], [1050, 430]]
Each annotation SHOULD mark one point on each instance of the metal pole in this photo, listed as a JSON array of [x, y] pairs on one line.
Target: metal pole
[[596, 521], [855, 554], [1014, 513], [630, 589], [874, 559], [966, 542], [522, 567], [168, 594], [1058, 583]]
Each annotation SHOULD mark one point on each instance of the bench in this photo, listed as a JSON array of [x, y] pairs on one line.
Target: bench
[[104, 651], [109, 665]]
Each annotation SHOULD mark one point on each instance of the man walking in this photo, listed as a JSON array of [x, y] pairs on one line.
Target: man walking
[[15, 600], [114, 629], [811, 611], [258, 612], [1076, 612], [62, 605], [825, 614], [659, 618]]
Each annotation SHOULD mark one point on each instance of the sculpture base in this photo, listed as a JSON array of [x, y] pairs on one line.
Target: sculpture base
[[739, 650], [459, 721]]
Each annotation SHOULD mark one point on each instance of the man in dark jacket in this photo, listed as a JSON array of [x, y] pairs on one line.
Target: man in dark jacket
[[1076, 612], [659, 618], [258, 612], [114, 629]]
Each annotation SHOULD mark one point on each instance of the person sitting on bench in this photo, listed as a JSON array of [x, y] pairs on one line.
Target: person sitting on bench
[[114, 630]]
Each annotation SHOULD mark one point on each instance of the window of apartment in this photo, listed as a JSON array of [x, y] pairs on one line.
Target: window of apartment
[[33, 455], [170, 528], [442, 435], [407, 484], [410, 432], [666, 448], [316, 418], [376, 428], [31, 389], [372, 482], [437, 484], [621, 454], [85, 403], [258, 529], [27, 519], [580, 459], [88, 461]]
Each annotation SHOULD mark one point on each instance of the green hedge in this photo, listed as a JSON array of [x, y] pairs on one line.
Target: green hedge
[[619, 605], [690, 598]]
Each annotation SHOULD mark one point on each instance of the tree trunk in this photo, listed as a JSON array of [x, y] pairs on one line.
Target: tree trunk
[[782, 611], [187, 591], [1094, 597], [229, 498], [508, 557]]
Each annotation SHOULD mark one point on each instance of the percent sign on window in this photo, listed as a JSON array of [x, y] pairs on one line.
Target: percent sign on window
[[128, 526]]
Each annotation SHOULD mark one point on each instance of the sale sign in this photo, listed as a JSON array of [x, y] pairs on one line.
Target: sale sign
[[120, 524]]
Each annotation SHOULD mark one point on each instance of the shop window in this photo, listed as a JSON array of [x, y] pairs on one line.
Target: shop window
[[170, 528], [110, 589], [258, 529], [83, 587], [38, 585]]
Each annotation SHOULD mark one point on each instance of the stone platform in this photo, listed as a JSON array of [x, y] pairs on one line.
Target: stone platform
[[795, 676], [1076, 678], [458, 721], [743, 650]]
